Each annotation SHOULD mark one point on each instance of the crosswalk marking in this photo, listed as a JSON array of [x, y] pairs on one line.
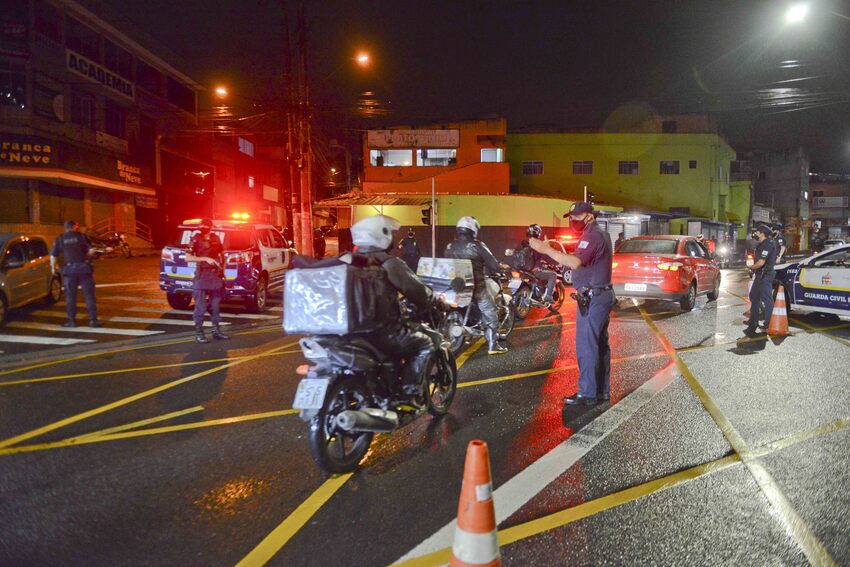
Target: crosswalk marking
[[157, 300], [101, 330], [42, 340], [143, 320], [175, 312]]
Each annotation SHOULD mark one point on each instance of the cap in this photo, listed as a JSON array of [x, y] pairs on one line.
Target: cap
[[580, 207], [70, 224]]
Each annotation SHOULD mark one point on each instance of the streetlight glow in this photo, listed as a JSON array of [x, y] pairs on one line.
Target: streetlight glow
[[221, 91], [363, 58], [796, 13]]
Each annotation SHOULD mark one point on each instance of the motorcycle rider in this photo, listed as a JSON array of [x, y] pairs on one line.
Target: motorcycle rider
[[467, 247], [529, 260], [373, 237]]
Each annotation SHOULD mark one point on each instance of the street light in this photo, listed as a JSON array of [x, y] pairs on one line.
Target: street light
[[363, 59], [221, 92], [796, 13]]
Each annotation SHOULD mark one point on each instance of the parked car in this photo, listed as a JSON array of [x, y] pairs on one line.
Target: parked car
[[256, 258], [25, 274], [820, 283], [673, 268]]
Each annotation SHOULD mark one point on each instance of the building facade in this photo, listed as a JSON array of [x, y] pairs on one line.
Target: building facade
[[830, 204]]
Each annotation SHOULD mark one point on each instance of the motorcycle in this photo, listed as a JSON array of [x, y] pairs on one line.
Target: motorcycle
[[352, 391], [528, 292], [108, 243], [463, 322], [723, 256]]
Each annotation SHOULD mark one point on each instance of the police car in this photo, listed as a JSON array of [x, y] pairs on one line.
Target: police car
[[256, 257], [820, 283]]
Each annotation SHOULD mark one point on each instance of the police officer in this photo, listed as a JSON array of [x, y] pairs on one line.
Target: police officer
[[410, 251], [467, 247], [77, 271], [761, 293], [781, 243], [530, 260], [591, 266], [207, 252]]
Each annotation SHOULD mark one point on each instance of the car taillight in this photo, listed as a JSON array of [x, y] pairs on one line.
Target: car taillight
[[614, 265], [240, 257], [514, 274], [670, 266], [167, 255]]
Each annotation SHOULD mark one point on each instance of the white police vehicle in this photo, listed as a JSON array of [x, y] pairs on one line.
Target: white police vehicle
[[256, 257], [820, 283]]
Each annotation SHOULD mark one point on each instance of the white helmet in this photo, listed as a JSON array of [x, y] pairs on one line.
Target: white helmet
[[374, 232], [469, 223]]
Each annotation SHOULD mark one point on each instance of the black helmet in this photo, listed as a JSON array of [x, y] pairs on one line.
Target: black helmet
[[534, 231], [777, 226]]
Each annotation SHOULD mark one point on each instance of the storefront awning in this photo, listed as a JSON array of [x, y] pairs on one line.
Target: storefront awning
[[48, 174], [373, 200]]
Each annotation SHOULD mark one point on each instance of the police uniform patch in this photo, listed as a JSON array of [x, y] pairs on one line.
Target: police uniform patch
[[582, 244], [764, 253]]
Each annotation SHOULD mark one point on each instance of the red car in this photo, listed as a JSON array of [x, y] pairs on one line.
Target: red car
[[674, 268]]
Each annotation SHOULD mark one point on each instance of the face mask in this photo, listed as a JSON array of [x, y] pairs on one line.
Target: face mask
[[205, 230], [577, 224]]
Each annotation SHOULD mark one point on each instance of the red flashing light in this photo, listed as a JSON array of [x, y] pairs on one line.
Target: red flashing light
[[240, 216], [192, 221]]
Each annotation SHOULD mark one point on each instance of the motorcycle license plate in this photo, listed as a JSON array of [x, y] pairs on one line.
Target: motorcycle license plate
[[635, 287], [310, 393], [515, 283]]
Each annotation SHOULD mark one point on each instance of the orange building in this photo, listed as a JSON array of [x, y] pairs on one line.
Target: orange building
[[461, 158]]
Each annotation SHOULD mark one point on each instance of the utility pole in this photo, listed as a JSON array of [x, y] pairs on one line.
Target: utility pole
[[305, 141], [289, 164]]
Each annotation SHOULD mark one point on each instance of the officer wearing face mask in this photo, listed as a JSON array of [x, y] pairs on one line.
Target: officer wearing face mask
[[591, 266], [207, 252]]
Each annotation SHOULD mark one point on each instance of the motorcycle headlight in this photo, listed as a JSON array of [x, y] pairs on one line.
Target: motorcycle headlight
[[723, 250]]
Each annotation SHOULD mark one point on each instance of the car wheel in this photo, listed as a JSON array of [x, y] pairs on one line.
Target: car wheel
[[257, 302], [715, 293], [179, 300], [3, 309], [54, 291], [690, 299]]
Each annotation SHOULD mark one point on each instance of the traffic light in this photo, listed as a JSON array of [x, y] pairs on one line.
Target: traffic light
[[426, 216], [590, 197]]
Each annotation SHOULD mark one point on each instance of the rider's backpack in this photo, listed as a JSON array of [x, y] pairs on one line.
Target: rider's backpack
[[339, 296]]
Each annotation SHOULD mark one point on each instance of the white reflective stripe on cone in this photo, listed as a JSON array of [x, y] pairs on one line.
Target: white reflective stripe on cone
[[477, 549], [780, 311]]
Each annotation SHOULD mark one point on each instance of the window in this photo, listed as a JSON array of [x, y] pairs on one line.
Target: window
[[838, 259], [116, 120], [628, 168], [13, 84], [82, 110], [582, 168], [15, 253], [669, 168], [492, 155], [117, 59], [648, 246], [246, 147], [693, 165], [817, 194], [148, 78], [82, 39], [694, 249], [426, 157], [391, 158], [147, 139], [36, 248], [762, 175], [669, 127], [532, 168], [250, 181], [48, 20], [14, 18], [180, 95], [277, 239]]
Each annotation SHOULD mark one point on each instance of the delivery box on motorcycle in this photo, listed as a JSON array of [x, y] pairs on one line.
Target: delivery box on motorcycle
[[438, 274], [338, 297]]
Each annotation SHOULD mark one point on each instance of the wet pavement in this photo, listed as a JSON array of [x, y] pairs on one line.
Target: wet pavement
[[718, 448]]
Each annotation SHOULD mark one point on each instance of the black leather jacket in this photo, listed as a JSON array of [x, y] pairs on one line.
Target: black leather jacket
[[402, 279], [467, 248]]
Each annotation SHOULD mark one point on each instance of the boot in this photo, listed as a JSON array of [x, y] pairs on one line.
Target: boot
[[200, 337], [493, 346], [218, 335]]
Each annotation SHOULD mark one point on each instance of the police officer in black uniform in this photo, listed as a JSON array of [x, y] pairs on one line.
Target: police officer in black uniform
[[410, 251], [761, 293], [467, 247], [207, 252], [77, 271], [781, 243], [591, 265]]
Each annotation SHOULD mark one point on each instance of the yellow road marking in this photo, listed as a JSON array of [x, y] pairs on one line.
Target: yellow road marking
[[129, 399], [813, 329], [86, 440], [780, 444], [140, 423], [464, 356], [129, 370], [813, 549]]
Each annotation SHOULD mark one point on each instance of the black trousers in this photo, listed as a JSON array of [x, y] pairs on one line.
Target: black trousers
[[407, 343], [72, 283]]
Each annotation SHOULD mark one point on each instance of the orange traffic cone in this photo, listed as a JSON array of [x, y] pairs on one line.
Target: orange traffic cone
[[779, 318], [476, 542]]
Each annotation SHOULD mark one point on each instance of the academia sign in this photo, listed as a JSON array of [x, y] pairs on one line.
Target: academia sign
[[97, 74]]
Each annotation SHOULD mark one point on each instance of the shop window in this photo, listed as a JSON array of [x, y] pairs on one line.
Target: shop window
[[532, 168], [13, 84], [117, 59], [58, 203], [82, 39], [669, 168], [48, 20], [116, 120], [693, 164], [13, 27], [246, 147], [582, 168], [427, 157], [628, 168], [492, 155], [180, 95], [148, 78], [43, 98], [391, 158], [82, 110]]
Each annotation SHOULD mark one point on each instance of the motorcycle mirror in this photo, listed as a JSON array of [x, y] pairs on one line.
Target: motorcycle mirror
[[509, 252], [458, 284]]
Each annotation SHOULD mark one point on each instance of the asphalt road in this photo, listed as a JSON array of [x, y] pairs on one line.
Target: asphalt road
[[718, 449]]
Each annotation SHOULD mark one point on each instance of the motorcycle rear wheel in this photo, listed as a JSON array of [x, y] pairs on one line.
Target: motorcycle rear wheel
[[522, 302], [337, 451], [441, 382]]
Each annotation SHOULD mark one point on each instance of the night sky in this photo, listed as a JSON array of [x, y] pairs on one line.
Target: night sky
[[537, 63]]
